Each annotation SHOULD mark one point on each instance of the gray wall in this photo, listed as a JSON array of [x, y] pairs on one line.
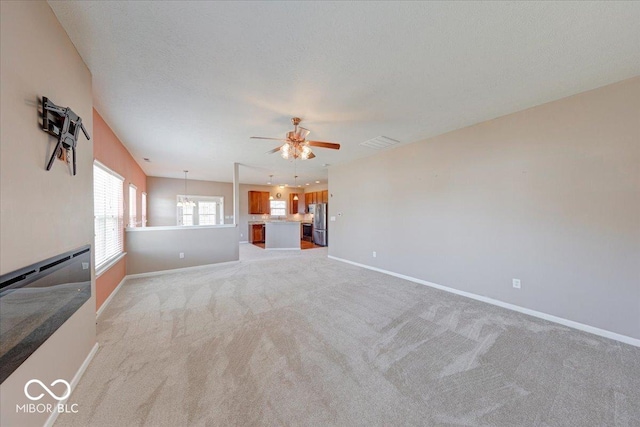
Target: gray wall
[[156, 250], [42, 213], [549, 195], [162, 193]]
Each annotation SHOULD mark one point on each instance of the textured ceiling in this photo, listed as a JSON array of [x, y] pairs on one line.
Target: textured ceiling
[[187, 83]]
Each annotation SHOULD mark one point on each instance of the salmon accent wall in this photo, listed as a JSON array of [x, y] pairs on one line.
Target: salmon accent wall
[[110, 151]]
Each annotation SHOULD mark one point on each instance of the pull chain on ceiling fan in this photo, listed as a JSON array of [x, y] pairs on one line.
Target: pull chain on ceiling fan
[[296, 145], [295, 179]]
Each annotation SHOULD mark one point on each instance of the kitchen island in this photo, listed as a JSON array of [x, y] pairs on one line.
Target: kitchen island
[[282, 235]]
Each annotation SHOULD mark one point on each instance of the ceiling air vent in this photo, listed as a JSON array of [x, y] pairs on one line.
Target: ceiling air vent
[[380, 143]]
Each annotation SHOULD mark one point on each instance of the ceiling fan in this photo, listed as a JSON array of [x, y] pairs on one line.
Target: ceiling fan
[[296, 145]]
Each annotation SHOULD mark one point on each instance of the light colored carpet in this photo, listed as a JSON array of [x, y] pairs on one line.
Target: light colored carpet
[[302, 340]]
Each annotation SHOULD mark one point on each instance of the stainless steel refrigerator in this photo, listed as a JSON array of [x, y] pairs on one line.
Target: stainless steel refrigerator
[[320, 224]]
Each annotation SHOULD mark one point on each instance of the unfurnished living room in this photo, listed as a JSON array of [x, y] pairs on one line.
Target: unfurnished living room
[[311, 213]]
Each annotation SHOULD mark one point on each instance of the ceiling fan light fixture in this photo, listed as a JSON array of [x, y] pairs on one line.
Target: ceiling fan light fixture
[[303, 133], [306, 152], [285, 151], [295, 197], [296, 145]]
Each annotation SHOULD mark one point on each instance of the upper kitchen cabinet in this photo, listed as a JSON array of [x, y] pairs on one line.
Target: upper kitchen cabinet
[[258, 202], [294, 205], [315, 197]]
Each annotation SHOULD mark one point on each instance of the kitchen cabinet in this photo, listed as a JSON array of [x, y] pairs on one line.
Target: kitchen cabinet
[[257, 233], [259, 202], [315, 197], [294, 205], [307, 201]]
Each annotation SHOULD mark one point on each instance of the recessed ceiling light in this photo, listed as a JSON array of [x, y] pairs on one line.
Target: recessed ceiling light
[[307, 183], [281, 186], [317, 182]]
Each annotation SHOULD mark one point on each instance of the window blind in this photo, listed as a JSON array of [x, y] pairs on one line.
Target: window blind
[[108, 213]]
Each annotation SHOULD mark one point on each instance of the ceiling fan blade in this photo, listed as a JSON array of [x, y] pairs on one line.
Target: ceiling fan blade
[[322, 144], [275, 150], [271, 139]]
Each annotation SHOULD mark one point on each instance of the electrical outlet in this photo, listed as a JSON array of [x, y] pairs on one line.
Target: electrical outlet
[[375, 254], [516, 283], [181, 254]]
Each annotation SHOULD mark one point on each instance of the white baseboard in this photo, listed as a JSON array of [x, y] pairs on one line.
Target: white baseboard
[[110, 297], [565, 322], [244, 241], [178, 270], [282, 249], [74, 382]]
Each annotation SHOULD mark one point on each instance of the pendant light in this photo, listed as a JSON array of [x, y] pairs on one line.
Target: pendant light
[[184, 201], [295, 180], [269, 182]]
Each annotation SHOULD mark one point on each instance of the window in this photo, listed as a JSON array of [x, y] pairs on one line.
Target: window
[[108, 213], [143, 208], [200, 210], [207, 213], [132, 205], [185, 214], [278, 207]]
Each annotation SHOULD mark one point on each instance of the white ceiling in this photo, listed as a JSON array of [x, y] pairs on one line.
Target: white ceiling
[[187, 83]]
